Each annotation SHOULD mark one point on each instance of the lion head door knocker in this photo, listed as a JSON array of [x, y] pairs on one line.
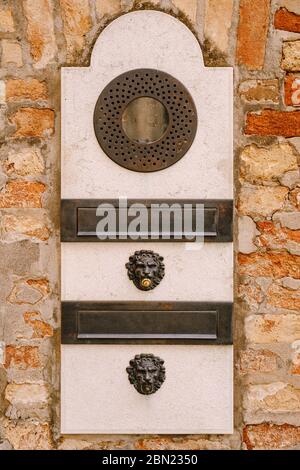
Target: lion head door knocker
[[146, 269], [145, 120], [146, 373]]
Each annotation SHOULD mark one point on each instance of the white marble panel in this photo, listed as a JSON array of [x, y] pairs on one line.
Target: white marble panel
[[196, 397], [96, 394], [147, 39], [96, 271]]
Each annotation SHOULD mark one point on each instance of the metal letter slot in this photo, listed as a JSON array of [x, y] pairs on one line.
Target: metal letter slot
[[146, 322], [79, 220]]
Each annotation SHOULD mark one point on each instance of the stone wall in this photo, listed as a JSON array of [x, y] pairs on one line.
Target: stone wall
[[261, 40]]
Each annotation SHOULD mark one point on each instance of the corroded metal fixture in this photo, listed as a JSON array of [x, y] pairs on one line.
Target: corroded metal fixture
[[145, 120], [146, 373], [146, 269]]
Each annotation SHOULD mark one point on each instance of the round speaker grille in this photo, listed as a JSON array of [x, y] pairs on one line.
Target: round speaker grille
[[177, 121]]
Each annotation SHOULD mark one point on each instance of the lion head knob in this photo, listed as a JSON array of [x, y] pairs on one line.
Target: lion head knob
[[146, 373], [146, 269]]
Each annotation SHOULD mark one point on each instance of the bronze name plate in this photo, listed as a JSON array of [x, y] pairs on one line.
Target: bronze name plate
[[80, 220], [146, 322]]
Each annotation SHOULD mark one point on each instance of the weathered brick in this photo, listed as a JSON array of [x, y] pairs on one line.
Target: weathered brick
[[29, 89], [270, 328], [168, 443], [22, 194], [259, 164], [188, 7], [271, 399], [291, 56], [271, 264], [290, 283], [259, 91], [33, 122], [91, 443], [252, 33], [16, 227], [291, 5], [6, 21], [295, 367], [11, 53], [272, 236], [2, 92], [5, 445], [28, 435], [77, 23], [2, 352], [272, 122], [278, 296], [291, 179], [294, 197], [40, 328], [287, 21], [22, 357], [26, 161], [290, 220], [29, 291], [251, 293], [107, 7], [40, 31], [218, 18], [261, 200], [246, 235], [27, 401], [127, 4], [292, 89], [258, 360], [271, 436]]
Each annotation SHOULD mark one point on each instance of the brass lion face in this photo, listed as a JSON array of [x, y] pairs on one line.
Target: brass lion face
[[146, 269], [146, 373]]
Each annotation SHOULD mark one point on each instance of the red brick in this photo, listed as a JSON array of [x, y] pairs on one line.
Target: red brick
[[185, 443], [252, 33], [22, 357], [77, 23], [33, 122], [280, 297], [296, 369], [40, 30], [273, 236], [41, 285], [292, 90], [258, 360], [271, 122], [22, 194], [251, 293], [30, 89], [271, 436], [274, 264], [40, 328], [287, 20], [28, 435]]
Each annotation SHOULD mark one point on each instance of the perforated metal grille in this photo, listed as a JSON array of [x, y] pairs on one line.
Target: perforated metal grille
[[176, 140]]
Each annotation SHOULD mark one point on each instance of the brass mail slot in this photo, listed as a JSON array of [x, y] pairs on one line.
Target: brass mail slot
[[163, 220], [146, 322]]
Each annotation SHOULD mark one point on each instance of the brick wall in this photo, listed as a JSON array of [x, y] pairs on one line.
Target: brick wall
[[261, 40]]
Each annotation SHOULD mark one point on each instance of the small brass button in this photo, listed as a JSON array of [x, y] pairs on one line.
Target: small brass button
[[146, 283], [145, 269]]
